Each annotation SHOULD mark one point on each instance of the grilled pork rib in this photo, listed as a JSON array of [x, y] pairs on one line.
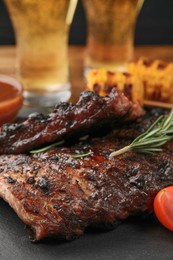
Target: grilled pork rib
[[66, 119], [58, 195]]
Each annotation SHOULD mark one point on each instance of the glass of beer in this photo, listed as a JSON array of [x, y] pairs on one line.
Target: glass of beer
[[41, 29], [111, 26]]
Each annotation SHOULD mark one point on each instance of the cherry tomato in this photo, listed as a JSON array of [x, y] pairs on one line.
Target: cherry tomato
[[163, 207]]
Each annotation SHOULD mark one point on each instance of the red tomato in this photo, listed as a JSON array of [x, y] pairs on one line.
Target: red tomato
[[163, 207]]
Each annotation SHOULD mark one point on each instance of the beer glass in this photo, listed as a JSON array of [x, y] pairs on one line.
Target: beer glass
[[111, 26], [41, 29]]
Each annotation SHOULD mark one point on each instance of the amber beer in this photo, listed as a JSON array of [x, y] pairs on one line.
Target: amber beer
[[41, 29], [111, 26]]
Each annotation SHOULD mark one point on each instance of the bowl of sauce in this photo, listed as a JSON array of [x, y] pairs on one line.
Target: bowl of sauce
[[11, 98]]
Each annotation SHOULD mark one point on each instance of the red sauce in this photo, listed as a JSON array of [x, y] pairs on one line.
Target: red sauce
[[11, 99], [7, 92]]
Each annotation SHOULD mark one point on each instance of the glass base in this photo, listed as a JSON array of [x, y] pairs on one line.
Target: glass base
[[113, 67], [47, 99]]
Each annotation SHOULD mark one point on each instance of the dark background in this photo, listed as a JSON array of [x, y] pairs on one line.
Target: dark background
[[154, 26]]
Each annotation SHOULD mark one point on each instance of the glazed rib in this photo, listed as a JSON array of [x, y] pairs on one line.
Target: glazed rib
[[91, 110], [57, 195]]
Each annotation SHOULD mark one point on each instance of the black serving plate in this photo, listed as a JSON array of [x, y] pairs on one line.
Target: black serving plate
[[136, 238]]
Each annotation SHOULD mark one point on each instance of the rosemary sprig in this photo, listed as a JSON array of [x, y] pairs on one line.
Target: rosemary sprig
[[151, 141], [75, 156], [46, 148]]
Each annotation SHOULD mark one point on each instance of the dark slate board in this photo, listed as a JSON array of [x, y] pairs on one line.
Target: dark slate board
[[133, 239]]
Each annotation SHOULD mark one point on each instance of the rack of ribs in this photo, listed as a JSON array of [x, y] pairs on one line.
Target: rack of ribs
[[58, 195], [91, 110]]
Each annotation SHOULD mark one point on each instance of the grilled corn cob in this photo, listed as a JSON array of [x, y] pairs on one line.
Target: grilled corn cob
[[145, 79], [157, 78], [102, 81]]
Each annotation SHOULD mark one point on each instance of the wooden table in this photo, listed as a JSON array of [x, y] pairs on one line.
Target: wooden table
[[76, 58]]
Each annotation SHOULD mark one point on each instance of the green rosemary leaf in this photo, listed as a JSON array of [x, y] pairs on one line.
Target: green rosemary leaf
[[156, 123], [46, 148], [150, 129], [150, 141], [154, 131], [145, 151], [169, 131], [168, 122], [160, 132], [151, 150], [75, 156]]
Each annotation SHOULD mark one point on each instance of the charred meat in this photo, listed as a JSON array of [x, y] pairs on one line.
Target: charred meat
[[58, 195], [91, 110]]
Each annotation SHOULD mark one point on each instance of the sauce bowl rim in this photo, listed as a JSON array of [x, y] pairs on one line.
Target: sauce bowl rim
[[11, 81]]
